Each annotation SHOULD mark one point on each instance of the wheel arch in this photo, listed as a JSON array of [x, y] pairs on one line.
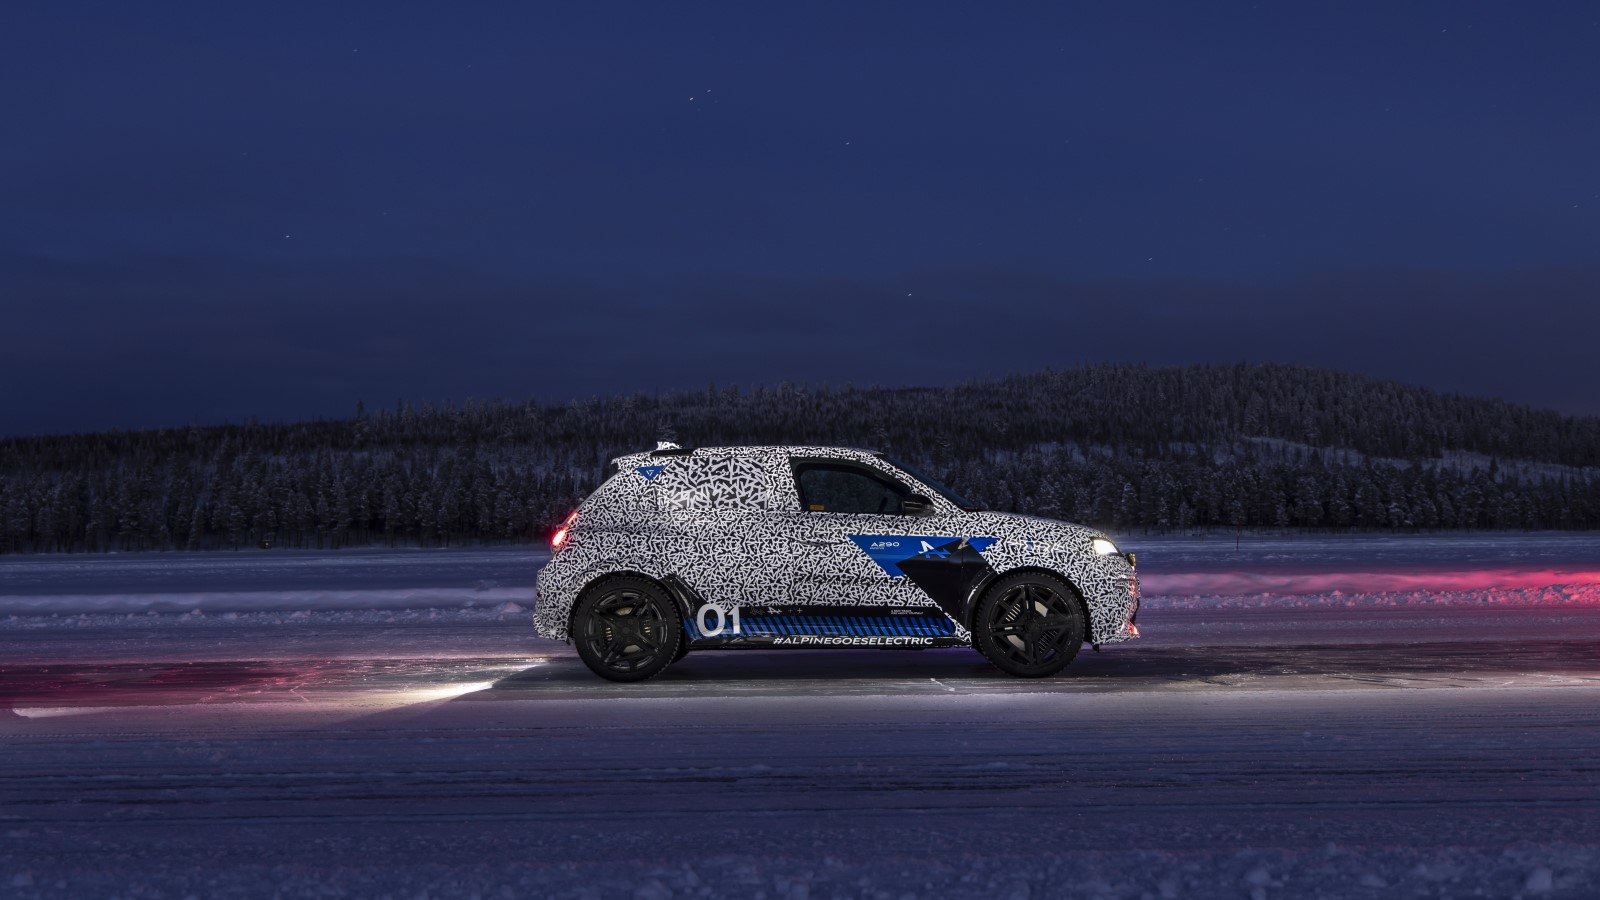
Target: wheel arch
[[970, 607], [663, 584]]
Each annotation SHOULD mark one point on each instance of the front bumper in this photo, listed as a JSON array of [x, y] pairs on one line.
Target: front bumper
[[1126, 629]]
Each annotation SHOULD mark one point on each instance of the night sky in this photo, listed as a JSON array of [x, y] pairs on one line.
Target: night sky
[[215, 210]]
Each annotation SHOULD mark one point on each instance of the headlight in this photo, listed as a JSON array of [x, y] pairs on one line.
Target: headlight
[[1103, 547]]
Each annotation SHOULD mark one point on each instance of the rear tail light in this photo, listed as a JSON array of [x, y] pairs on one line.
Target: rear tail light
[[559, 539]]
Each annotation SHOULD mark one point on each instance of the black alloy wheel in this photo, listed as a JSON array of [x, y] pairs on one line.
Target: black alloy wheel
[[626, 629], [1029, 625]]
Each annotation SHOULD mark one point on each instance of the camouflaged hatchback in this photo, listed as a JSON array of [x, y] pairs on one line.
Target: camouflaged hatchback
[[724, 548]]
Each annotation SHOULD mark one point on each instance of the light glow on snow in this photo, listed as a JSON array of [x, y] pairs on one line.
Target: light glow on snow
[[449, 692], [1281, 582], [56, 712]]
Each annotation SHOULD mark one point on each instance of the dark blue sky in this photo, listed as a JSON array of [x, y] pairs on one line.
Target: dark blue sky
[[213, 210]]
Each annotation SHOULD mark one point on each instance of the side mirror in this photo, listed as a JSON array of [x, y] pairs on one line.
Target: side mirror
[[916, 505]]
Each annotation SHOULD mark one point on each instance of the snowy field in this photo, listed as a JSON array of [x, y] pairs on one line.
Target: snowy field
[[1403, 717], [250, 581], [1518, 569]]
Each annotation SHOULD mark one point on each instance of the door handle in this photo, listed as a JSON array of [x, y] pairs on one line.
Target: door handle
[[819, 543]]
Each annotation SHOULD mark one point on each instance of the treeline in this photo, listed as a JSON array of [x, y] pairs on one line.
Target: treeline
[[1118, 446]]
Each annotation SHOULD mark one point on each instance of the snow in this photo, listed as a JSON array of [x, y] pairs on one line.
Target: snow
[[1350, 792], [211, 602], [371, 585], [1132, 874], [255, 582], [274, 570], [1208, 551], [1362, 718]]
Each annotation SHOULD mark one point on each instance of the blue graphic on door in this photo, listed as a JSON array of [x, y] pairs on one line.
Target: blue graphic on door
[[889, 550]]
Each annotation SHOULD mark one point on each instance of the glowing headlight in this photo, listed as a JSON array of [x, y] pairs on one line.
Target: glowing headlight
[[1103, 547]]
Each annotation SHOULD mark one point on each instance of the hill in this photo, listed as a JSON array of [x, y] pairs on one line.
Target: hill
[[1117, 446]]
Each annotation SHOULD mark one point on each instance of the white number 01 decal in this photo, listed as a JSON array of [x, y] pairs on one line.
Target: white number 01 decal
[[729, 623]]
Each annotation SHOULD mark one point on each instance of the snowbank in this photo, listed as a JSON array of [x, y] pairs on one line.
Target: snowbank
[[1287, 583], [1546, 595], [193, 619], [262, 601]]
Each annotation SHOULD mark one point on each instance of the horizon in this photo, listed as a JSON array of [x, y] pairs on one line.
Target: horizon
[[360, 407]]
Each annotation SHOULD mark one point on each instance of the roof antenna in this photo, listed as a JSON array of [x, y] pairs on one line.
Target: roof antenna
[[667, 445]]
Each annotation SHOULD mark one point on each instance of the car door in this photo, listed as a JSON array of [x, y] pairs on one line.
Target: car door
[[853, 546]]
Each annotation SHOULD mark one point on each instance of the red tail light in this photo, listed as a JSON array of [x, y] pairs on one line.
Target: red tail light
[[558, 539]]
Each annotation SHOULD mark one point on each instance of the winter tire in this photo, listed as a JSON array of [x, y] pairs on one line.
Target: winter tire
[[1029, 625], [626, 629]]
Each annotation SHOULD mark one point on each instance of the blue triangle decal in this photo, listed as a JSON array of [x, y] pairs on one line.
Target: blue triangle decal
[[889, 550]]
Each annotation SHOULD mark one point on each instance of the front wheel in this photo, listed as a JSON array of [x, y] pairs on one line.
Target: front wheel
[[626, 629], [1029, 625]]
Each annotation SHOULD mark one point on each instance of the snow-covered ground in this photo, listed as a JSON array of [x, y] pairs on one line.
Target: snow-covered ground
[[1336, 718], [256, 581], [1213, 570], [1351, 792], [1213, 551]]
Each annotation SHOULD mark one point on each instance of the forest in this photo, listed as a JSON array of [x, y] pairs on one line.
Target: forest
[[1123, 447]]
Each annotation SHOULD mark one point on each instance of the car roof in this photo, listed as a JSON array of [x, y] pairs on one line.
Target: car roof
[[646, 456]]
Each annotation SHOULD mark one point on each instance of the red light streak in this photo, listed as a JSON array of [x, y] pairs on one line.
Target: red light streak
[[559, 539]]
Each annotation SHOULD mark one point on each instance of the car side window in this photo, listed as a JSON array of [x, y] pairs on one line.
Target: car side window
[[716, 482], [834, 488]]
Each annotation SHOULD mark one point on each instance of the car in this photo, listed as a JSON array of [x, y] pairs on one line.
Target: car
[[723, 548]]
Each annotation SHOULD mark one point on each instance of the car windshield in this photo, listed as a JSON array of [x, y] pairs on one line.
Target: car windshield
[[918, 474]]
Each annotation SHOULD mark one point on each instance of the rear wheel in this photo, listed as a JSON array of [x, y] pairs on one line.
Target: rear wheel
[[626, 629], [1029, 625]]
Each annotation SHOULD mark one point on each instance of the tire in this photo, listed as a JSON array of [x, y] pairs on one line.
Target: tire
[[1029, 625], [626, 629]]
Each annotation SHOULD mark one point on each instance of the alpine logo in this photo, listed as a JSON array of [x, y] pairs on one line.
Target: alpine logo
[[889, 550]]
